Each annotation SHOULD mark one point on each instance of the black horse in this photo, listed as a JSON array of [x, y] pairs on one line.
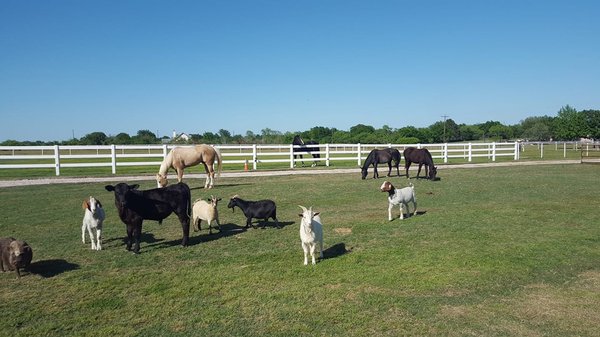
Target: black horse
[[381, 157], [421, 157], [305, 149]]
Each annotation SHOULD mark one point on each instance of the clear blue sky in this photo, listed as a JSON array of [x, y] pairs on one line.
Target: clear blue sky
[[288, 65]]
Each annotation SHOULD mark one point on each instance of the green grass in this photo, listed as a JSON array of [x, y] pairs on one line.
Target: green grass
[[493, 252]]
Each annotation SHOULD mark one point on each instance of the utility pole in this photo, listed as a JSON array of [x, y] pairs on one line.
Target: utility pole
[[445, 116]]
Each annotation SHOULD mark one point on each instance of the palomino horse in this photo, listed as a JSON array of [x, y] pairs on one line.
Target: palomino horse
[[305, 149], [182, 157], [421, 157], [381, 157]]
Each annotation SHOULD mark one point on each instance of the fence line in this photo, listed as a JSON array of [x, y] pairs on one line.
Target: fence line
[[113, 156]]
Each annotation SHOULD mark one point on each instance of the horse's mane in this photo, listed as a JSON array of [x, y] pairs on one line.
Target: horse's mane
[[166, 163], [369, 159]]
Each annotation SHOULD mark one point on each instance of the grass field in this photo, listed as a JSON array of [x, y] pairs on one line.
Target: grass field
[[492, 252]]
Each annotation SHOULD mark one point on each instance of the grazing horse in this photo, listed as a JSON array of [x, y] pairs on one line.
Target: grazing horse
[[305, 149], [182, 157], [421, 157], [381, 157]]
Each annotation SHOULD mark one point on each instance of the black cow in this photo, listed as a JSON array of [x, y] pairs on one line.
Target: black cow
[[262, 209], [135, 206]]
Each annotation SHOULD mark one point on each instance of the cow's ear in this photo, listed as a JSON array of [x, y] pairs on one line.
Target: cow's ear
[[109, 188], [134, 186]]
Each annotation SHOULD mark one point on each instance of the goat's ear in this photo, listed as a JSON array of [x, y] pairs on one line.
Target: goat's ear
[[86, 204], [219, 199], [301, 215], [99, 203], [134, 186], [109, 188], [317, 213]]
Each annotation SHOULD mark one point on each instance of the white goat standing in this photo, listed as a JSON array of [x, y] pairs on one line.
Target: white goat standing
[[207, 211], [92, 220], [311, 233]]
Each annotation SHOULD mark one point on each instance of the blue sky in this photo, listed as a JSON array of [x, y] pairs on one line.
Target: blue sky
[[195, 66]]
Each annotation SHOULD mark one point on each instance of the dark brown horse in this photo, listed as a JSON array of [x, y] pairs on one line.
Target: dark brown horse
[[381, 157], [421, 157]]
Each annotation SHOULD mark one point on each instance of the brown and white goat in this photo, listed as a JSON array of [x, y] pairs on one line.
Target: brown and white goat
[[399, 197], [93, 219]]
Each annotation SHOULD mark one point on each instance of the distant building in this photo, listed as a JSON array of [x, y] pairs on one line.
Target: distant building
[[182, 137]]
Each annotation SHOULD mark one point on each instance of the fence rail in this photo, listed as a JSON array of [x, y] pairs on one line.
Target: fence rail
[[114, 156]]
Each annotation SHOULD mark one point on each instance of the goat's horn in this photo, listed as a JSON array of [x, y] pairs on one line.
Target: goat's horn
[[303, 208]]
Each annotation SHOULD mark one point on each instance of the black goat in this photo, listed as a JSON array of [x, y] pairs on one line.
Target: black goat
[[262, 209], [135, 206]]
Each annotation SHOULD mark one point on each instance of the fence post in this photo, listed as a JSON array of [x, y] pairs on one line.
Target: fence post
[[292, 156], [359, 154], [254, 157], [445, 152], [542, 150], [57, 159], [470, 152], [327, 154], [113, 156], [517, 150], [565, 150], [164, 151], [494, 151]]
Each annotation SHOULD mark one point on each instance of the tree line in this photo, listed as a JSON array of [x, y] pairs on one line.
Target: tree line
[[569, 124]]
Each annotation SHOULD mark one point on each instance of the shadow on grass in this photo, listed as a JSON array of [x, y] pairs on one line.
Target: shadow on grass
[[336, 250], [212, 191], [51, 268], [144, 238]]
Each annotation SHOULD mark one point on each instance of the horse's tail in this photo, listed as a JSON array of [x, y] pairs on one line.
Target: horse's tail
[[219, 161]]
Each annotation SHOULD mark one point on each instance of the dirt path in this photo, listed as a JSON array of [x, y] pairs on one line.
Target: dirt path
[[238, 174]]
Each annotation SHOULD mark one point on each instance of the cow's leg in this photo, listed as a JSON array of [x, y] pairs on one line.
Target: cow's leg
[[129, 236], [137, 233], [185, 228]]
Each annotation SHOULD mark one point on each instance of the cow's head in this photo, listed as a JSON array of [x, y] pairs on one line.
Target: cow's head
[[122, 191]]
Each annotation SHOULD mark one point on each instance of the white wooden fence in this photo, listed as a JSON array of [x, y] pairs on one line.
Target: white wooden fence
[[63, 156]]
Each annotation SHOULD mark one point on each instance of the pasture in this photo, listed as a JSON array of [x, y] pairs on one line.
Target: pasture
[[493, 252]]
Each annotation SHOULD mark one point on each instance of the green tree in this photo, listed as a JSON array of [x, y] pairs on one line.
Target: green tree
[[570, 124], [592, 122], [121, 139], [94, 138], [145, 137]]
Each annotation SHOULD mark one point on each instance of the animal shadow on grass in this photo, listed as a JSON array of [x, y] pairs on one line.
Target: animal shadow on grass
[[264, 224], [51, 268], [201, 188], [227, 230], [336, 250], [144, 238]]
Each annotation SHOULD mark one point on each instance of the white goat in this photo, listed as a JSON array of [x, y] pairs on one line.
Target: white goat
[[311, 233], [207, 211], [399, 197], [92, 220]]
